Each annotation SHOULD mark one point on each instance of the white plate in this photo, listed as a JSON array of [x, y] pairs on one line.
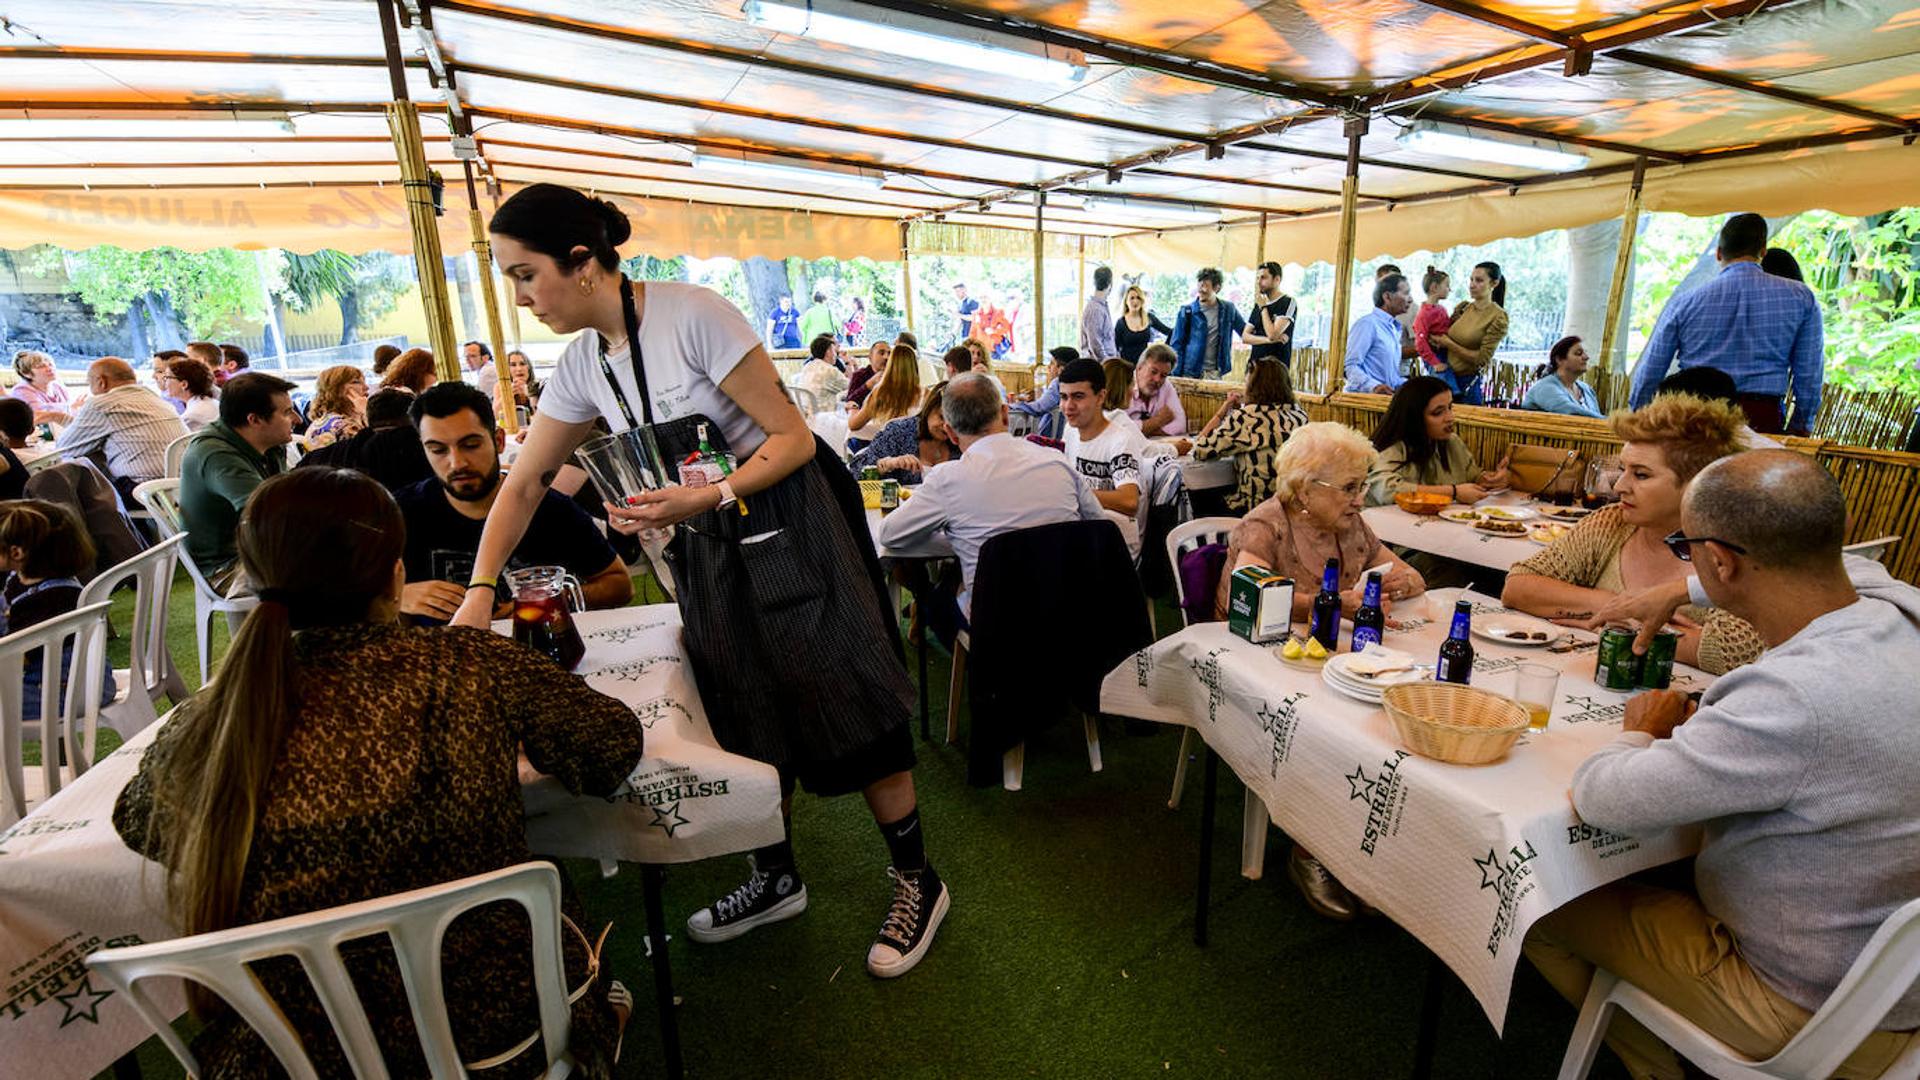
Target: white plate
[[1481, 527], [1336, 675], [1460, 515], [1493, 629], [1531, 533], [1512, 513]]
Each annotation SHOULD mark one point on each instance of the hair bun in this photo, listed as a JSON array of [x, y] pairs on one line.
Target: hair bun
[[1432, 269], [619, 229]]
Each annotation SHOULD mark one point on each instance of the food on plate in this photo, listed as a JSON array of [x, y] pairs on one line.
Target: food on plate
[[1501, 528], [1421, 502], [1516, 634], [1461, 514], [1565, 513], [1315, 650], [1495, 513], [1378, 660], [1547, 534], [1292, 650]]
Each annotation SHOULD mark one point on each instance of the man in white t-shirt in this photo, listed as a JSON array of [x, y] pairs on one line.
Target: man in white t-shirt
[[1105, 453]]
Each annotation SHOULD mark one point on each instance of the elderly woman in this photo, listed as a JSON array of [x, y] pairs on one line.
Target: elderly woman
[[1558, 388], [339, 407], [1319, 478], [906, 448], [1623, 548], [40, 387], [1420, 452], [190, 383], [1251, 426]]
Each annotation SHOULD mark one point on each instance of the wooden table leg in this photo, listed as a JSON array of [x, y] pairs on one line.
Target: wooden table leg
[[1203, 891], [651, 877]]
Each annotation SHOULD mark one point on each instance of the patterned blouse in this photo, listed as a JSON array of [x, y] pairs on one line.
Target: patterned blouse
[[1252, 434], [331, 428], [401, 772], [900, 438], [1589, 557]]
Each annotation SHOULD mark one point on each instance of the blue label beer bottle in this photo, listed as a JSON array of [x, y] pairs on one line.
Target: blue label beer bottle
[[1456, 653], [1369, 622]]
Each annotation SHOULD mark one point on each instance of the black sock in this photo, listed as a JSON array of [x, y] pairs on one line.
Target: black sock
[[776, 861], [905, 843]]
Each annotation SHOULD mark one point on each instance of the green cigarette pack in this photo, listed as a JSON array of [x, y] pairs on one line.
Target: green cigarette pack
[[1259, 604]]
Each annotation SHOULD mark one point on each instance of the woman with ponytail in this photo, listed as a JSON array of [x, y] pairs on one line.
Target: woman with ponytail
[[797, 660], [341, 756], [1479, 324]]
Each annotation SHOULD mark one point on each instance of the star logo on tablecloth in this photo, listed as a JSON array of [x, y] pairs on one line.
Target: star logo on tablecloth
[[1361, 787], [668, 818], [1584, 703], [1490, 869], [82, 1002]]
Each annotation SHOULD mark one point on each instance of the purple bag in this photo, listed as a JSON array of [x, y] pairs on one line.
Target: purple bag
[[1199, 578]]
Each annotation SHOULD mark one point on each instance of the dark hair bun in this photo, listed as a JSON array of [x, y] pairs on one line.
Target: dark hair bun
[[619, 229]]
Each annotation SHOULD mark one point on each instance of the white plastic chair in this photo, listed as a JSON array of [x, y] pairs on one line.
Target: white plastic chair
[[1881, 975], [1872, 549], [805, 400], [62, 717], [414, 921], [161, 497], [176, 453], [1013, 763], [152, 673]]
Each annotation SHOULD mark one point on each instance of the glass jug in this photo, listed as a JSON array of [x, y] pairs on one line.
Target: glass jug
[[543, 599]]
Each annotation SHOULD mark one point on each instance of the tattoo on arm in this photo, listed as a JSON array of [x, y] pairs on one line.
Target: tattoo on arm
[[1573, 615], [547, 478]]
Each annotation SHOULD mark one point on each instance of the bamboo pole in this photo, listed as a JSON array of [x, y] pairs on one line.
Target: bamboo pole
[[906, 271], [1039, 277], [1079, 296], [1616, 292], [1343, 258], [490, 291], [416, 180], [1260, 246], [513, 309]]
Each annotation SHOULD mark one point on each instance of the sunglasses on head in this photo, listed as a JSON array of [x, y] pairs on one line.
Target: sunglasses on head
[[1682, 546]]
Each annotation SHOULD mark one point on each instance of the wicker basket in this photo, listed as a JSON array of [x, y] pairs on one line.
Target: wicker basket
[[1419, 502], [1454, 723]]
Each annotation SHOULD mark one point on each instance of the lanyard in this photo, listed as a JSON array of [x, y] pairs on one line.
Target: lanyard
[[634, 357]]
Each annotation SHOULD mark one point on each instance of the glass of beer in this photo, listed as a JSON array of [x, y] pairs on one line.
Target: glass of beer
[[1534, 686]]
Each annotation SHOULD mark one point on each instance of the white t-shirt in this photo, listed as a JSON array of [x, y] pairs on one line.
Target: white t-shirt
[[1111, 461], [692, 339]]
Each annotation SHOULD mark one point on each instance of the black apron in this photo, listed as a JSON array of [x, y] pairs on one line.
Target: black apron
[[783, 608]]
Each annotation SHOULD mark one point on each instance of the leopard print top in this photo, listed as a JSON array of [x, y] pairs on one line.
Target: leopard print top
[[400, 771]]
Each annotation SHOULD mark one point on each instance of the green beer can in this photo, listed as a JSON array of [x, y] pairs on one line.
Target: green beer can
[[1618, 668], [1656, 667]]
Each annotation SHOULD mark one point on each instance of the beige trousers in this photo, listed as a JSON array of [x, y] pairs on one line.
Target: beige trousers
[[1665, 943]]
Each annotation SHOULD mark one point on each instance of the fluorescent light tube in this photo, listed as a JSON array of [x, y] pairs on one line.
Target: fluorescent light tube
[[213, 127], [1056, 200], [1155, 211], [922, 39], [777, 170], [1469, 144]]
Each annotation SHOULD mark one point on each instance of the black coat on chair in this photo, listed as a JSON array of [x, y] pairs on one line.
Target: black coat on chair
[[1055, 607]]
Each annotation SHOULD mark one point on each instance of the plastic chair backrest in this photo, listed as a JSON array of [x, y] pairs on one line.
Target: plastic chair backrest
[[1187, 536], [152, 573], [1872, 549], [1884, 972], [805, 400], [414, 921], [162, 499], [63, 714], [177, 452]]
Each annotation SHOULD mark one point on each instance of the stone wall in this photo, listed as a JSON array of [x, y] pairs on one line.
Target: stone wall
[[64, 327]]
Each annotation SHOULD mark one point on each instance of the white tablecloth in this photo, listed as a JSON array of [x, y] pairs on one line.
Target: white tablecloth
[[38, 457], [1465, 858], [1205, 475], [1450, 539], [68, 886]]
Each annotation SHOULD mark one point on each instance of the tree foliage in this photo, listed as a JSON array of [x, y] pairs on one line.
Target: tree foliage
[[212, 290], [1866, 272]]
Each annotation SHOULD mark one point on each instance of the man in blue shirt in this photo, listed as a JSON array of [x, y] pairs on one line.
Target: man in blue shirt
[[1204, 330], [966, 307], [1373, 345], [1763, 330]]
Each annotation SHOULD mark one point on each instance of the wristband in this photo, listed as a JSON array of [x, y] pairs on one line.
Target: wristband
[[1453, 492], [483, 582]]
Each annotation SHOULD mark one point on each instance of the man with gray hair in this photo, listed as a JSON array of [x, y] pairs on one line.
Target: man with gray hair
[[999, 484], [124, 427], [1797, 767]]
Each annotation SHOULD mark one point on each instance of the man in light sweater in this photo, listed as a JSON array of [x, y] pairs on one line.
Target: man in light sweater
[[1798, 768]]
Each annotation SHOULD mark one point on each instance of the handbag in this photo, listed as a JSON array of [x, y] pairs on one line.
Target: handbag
[[1545, 470]]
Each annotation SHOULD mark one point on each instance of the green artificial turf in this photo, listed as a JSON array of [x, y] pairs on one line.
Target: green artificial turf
[[1068, 951]]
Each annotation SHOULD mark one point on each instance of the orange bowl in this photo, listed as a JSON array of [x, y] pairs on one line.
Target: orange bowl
[[1420, 502]]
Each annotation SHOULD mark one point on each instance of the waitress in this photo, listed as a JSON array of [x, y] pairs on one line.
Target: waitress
[[779, 600]]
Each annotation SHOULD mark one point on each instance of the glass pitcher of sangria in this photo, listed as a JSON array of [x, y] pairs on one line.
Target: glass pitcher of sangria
[[544, 598]]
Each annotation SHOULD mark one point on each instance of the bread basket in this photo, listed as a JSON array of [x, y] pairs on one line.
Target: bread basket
[[1453, 723], [1420, 502]]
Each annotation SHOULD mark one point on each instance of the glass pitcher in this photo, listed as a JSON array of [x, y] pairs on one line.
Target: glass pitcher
[[543, 599], [1598, 489]]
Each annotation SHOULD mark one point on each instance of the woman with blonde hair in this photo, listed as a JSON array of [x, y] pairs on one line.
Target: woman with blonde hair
[[1119, 375], [1133, 331], [898, 394], [1623, 548], [412, 370], [339, 407], [1320, 485], [40, 387]]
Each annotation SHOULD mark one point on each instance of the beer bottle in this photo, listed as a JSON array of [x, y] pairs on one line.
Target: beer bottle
[[1456, 653], [1369, 622], [1326, 608]]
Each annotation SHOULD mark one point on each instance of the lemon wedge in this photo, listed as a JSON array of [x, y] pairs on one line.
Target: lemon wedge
[[1292, 650], [1315, 650]]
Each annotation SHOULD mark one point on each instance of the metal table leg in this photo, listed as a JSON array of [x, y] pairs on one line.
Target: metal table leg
[[127, 1067], [651, 876], [1427, 1041], [1203, 891], [925, 734]]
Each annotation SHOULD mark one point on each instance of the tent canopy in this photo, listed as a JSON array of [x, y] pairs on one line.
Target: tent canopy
[[268, 130]]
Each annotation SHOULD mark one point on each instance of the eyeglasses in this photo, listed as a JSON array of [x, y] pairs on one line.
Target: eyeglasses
[[1351, 491], [1682, 546]]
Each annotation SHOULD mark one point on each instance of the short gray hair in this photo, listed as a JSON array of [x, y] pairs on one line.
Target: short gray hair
[[1781, 506], [971, 403], [26, 360], [1318, 451]]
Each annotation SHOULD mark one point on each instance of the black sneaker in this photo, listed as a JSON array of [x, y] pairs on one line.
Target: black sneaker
[[763, 898], [919, 903]]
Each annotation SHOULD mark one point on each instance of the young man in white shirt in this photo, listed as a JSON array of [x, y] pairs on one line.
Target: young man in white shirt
[[999, 484], [1105, 453]]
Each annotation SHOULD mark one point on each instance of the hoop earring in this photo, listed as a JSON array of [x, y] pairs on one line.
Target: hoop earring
[[586, 285]]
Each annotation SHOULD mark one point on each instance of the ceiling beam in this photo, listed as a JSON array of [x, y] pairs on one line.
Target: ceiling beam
[[43, 105]]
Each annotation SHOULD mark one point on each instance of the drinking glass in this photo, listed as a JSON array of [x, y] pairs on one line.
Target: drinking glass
[[1601, 474], [624, 464], [1534, 686]]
